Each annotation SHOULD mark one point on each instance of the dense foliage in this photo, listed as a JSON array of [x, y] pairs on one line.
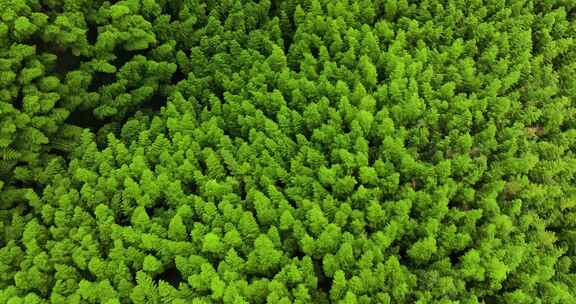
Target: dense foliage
[[299, 151]]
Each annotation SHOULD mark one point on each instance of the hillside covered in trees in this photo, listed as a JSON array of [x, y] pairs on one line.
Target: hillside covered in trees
[[297, 151]]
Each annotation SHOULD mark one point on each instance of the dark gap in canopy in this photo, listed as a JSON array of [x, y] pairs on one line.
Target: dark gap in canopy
[[92, 34], [170, 275], [86, 119]]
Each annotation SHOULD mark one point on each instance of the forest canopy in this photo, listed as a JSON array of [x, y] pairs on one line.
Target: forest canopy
[[297, 151]]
